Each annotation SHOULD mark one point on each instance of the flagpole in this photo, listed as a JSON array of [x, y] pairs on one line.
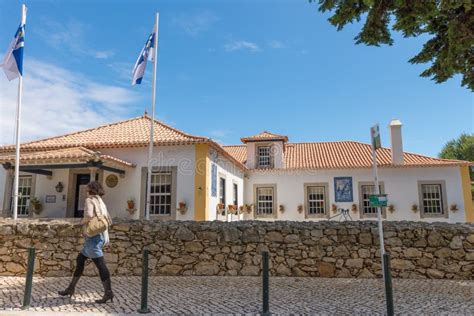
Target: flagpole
[[152, 121], [17, 132]]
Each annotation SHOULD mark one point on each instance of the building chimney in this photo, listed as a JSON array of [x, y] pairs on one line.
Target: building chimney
[[396, 142]]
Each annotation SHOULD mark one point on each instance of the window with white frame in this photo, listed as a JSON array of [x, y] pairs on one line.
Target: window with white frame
[[432, 199], [24, 194], [264, 156], [368, 190], [160, 195], [265, 201], [236, 194], [222, 191], [316, 200]]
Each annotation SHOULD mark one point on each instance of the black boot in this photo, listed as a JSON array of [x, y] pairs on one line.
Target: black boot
[[108, 294], [71, 288]]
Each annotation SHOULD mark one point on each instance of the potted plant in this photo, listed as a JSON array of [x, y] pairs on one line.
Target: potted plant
[[220, 209], [300, 208], [391, 208], [282, 208], [131, 204], [35, 205], [248, 208], [182, 207], [232, 209], [454, 207], [354, 208], [334, 208], [414, 208]]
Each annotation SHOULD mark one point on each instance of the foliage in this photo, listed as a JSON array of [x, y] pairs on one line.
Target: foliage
[[449, 23], [461, 148]]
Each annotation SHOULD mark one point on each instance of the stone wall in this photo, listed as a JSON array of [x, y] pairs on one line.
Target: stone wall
[[324, 249]]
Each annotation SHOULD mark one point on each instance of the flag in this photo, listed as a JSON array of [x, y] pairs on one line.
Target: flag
[[375, 135], [13, 61], [147, 53]]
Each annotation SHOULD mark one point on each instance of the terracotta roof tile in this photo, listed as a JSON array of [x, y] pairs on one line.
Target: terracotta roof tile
[[129, 133], [264, 136], [134, 132], [342, 155], [77, 154]]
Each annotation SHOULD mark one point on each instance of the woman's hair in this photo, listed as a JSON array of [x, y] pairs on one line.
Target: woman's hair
[[95, 188]]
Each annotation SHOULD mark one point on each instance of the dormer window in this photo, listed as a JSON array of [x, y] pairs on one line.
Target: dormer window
[[264, 157], [265, 151]]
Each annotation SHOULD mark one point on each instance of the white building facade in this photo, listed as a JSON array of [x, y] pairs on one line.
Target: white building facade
[[266, 178]]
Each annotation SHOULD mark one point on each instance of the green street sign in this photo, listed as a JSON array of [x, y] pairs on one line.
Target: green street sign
[[378, 200]]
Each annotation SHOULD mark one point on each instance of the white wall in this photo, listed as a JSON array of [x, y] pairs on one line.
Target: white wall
[[251, 155], [45, 186], [401, 185], [276, 150], [182, 157], [232, 175]]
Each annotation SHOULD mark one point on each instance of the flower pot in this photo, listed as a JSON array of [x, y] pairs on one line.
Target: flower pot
[[36, 208]]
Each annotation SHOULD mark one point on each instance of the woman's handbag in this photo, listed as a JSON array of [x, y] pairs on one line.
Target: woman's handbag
[[97, 225]]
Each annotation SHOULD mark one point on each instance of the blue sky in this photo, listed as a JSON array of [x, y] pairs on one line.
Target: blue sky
[[225, 70]]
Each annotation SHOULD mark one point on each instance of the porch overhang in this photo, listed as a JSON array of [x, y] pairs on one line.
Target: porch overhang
[[70, 158]]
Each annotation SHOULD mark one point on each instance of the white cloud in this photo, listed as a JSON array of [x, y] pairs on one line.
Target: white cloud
[[105, 54], [276, 44], [219, 135], [69, 36], [122, 69], [242, 45], [58, 101], [197, 23]]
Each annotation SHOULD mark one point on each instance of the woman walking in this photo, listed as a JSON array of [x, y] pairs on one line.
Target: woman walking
[[94, 209]]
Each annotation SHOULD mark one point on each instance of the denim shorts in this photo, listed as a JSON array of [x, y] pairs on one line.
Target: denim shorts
[[93, 246]]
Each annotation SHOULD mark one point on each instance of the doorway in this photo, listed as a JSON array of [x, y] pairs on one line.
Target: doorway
[[82, 180]]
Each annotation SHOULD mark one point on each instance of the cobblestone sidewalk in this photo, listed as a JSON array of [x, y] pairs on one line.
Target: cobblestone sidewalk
[[225, 295]]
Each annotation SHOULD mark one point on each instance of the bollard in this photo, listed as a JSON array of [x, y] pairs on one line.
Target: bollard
[[388, 284], [265, 284], [144, 300], [29, 278]]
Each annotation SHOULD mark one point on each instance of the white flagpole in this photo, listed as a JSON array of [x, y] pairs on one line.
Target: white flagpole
[[152, 122], [17, 133]]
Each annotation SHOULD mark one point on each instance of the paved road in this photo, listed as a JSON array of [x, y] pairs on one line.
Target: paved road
[[198, 295]]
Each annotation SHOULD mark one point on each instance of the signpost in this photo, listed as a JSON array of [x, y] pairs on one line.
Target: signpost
[[380, 200]]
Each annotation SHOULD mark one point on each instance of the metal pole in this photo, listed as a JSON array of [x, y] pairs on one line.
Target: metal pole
[[379, 209], [388, 285], [383, 256], [265, 284], [152, 121], [17, 132], [144, 299], [29, 278]]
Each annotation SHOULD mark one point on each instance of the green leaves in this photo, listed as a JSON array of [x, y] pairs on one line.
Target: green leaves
[[449, 23], [461, 148]]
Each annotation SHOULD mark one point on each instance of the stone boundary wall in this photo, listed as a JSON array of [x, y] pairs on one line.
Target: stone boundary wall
[[313, 249]]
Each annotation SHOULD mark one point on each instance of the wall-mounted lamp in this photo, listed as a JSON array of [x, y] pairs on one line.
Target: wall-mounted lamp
[[59, 187]]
